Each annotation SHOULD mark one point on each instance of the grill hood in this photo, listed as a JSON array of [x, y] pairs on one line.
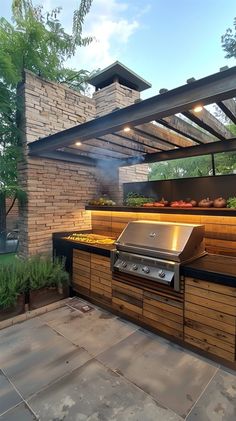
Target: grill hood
[[176, 242]]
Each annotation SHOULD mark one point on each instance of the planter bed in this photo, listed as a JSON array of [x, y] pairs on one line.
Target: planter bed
[[44, 296], [19, 308]]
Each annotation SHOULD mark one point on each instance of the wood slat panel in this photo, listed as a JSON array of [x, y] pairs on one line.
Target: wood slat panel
[[163, 320], [209, 322], [224, 308], [209, 339], [210, 286], [211, 295], [124, 306], [213, 314], [165, 313], [163, 328], [218, 334], [209, 348]]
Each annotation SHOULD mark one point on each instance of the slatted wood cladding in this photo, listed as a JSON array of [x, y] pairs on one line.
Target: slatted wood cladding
[[210, 317], [203, 315], [220, 231], [158, 307]]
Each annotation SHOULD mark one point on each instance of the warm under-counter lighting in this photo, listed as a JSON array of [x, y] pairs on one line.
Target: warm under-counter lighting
[[78, 143], [198, 109], [127, 129]]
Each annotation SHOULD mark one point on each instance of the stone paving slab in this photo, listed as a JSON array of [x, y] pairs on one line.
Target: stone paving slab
[[95, 331], [32, 355], [8, 395], [19, 413], [170, 374], [218, 403], [93, 393]]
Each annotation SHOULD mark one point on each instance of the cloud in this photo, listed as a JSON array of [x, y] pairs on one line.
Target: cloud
[[112, 29]]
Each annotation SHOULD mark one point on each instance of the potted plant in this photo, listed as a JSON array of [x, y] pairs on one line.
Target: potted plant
[[13, 281], [48, 281]]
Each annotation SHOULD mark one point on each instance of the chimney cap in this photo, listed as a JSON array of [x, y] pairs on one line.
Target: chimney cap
[[117, 72]]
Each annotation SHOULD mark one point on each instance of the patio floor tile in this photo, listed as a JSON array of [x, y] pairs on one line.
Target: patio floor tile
[[218, 402], [95, 331], [8, 395], [93, 393], [33, 355], [19, 413], [170, 374]]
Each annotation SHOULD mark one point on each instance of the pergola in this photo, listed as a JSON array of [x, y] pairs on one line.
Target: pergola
[[165, 126]]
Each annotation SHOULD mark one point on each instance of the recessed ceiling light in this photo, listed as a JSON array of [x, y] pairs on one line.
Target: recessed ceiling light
[[78, 143], [198, 109], [127, 129]]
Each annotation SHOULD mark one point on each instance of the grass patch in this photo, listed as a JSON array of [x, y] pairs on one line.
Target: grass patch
[[7, 258]]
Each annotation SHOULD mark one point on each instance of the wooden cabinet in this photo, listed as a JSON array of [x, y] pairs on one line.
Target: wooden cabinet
[[101, 277], [91, 275], [163, 312], [127, 299], [81, 273], [209, 317]]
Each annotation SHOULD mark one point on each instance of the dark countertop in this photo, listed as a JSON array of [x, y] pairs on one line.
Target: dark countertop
[[211, 267], [214, 268]]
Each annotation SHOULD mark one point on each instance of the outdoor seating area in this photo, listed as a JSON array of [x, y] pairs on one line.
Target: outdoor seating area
[[108, 369]]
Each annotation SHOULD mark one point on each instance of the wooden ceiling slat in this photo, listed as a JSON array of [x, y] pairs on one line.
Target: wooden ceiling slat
[[209, 122], [229, 108], [139, 141], [164, 135], [99, 143], [121, 145], [184, 128], [91, 149]]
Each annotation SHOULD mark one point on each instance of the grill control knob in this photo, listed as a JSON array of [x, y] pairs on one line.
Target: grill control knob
[[162, 274], [123, 264], [135, 267], [145, 269]]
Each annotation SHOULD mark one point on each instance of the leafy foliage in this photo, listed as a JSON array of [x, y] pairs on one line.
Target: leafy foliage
[[24, 275], [34, 40], [43, 272], [228, 41]]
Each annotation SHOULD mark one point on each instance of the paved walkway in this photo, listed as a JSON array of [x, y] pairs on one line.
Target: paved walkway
[[75, 366]]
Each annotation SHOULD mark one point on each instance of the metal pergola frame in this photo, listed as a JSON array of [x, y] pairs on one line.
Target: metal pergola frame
[[157, 133]]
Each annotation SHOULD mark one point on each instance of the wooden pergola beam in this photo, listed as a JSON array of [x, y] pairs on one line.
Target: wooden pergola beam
[[229, 108], [164, 135], [209, 122], [183, 127], [214, 88]]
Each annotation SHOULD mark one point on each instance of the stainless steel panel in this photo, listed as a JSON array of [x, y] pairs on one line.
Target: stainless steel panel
[[177, 242]]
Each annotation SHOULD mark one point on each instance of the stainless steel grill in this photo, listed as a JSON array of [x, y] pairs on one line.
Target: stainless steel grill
[[155, 250]]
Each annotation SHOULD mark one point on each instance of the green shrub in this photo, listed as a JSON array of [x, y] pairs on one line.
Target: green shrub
[[43, 272], [13, 281], [24, 275]]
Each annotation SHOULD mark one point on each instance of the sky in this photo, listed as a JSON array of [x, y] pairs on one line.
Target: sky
[[166, 42]]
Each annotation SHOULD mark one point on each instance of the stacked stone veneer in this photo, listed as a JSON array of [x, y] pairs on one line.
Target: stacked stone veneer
[[58, 191]]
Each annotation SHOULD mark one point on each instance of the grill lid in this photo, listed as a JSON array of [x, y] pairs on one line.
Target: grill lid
[[177, 242]]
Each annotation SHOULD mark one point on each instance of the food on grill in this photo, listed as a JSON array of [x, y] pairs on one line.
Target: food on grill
[[91, 239], [231, 202], [102, 201], [219, 203], [181, 204], [205, 203], [158, 204]]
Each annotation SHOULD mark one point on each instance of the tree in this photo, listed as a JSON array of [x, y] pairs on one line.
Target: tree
[[34, 40], [228, 41]]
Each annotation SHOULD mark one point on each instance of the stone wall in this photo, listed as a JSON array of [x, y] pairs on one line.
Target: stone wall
[[58, 191]]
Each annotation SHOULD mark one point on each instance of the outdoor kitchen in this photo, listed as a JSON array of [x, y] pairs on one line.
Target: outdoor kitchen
[[160, 253]]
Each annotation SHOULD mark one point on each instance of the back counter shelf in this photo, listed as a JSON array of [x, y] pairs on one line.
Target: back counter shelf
[[166, 209]]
